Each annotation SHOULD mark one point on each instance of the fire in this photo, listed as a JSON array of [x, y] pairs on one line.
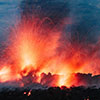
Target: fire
[[5, 74], [29, 93], [39, 53]]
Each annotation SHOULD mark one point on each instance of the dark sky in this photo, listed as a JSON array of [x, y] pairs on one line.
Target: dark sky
[[85, 15]]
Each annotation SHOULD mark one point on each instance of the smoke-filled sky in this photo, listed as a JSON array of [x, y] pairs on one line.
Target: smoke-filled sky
[[85, 14]]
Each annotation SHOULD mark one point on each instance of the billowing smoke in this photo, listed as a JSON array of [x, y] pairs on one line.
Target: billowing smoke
[[56, 10], [87, 80]]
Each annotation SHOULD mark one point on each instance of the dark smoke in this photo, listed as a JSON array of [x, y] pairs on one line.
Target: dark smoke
[[46, 79], [87, 80], [49, 80], [53, 9], [84, 24]]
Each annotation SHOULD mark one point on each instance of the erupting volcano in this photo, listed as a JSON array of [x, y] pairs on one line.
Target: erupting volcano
[[39, 51]]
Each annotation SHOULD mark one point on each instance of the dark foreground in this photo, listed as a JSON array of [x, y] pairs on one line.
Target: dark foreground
[[74, 93]]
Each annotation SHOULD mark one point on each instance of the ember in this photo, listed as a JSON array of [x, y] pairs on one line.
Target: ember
[[29, 93]]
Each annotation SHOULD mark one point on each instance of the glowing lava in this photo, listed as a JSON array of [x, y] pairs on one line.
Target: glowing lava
[[4, 74], [38, 52]]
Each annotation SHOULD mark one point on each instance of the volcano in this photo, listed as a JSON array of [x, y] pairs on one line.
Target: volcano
[[51, 52], [41, 51]]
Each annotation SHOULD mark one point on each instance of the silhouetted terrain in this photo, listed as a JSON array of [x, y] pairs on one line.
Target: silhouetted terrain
[[52, 93]]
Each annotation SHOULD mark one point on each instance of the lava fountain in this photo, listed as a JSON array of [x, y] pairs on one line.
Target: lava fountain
[[38, 51]]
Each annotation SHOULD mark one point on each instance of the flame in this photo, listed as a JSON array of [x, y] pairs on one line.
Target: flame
[[39, 53], [4, 74], [25, 93], [29, 93]]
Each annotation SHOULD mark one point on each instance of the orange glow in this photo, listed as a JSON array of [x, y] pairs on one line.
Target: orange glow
[[39, 53], [29, 93], [25, 93], [4, 74]]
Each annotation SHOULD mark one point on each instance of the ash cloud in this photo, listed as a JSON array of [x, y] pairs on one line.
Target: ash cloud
[[87, 21], [82, 14], [45, 79], [49, 79], [56, 10], [87, 80]]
